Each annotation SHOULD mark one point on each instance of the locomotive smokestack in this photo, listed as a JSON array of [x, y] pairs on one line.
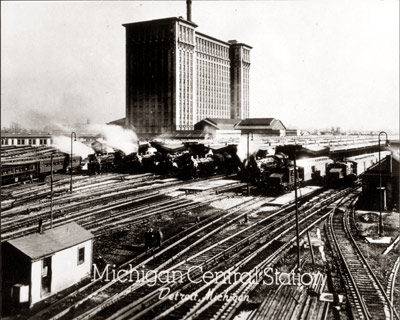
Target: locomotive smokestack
[[189, 10]]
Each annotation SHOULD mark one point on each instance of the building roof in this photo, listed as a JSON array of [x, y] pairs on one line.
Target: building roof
[[46, 135], [212, 38], [155, 21], [221, 124], [25, 135], [260, 123], [37, 245]]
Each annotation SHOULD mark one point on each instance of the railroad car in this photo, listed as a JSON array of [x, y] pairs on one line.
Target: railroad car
[[19, 171], [341, 173], [314, 169], [58, 165], [364, 161], [15, 171]]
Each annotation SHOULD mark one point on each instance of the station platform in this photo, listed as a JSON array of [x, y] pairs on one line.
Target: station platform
[[289, 197]]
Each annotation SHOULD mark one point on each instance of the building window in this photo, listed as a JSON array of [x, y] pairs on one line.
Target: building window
[[81, 255]]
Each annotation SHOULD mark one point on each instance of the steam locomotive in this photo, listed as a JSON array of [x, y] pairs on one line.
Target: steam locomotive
[[186, 161]]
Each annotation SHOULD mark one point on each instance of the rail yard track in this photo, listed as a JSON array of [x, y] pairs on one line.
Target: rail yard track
[[95, 206], [367, 298], [180, 242], [211, 246], [247, 260], [391, 284]]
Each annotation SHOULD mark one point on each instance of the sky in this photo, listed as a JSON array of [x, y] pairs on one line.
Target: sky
[[314, 63]]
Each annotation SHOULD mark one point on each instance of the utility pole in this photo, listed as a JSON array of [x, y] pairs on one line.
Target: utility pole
[[73, 134], [297, 210], [51, 193]]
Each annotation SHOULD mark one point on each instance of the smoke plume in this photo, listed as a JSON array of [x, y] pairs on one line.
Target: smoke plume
[[63, 144], [242, 148], [117, 137]]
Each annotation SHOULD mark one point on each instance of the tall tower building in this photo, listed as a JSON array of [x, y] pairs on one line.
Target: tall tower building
[[176, 76], [240, 76]]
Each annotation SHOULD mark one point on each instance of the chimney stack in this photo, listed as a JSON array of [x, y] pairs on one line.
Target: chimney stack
[[189, 10]]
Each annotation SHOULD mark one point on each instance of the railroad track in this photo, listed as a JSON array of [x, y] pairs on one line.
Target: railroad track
[[367, 298], [120, 305], [391, 284], [39, 198], [98, 206], [166, 254], [265, 254]]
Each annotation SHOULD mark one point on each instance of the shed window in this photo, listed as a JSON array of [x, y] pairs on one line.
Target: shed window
[[81, 255]]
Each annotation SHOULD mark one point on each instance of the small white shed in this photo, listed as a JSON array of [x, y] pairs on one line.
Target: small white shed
[[41, 264]]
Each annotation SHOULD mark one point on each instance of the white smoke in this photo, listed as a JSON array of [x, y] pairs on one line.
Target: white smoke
[[242, 147], [117, 137], [105, 144], [63, 144]]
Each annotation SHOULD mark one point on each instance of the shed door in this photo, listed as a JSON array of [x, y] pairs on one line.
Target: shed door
[[46, 276]]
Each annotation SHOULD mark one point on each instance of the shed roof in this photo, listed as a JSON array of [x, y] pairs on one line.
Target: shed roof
[[221, 124], [260, 123], [37, 245]]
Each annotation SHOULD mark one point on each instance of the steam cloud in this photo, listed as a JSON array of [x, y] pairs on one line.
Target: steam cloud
[[242, 148], [63, 144], [112, 137], [117, 137]]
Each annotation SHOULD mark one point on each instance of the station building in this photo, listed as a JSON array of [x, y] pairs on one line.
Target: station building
[[41, 264], [261, 127], [177, 76], [218, 128]]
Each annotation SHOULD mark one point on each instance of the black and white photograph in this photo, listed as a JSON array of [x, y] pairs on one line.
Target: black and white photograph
[[200, 159]]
